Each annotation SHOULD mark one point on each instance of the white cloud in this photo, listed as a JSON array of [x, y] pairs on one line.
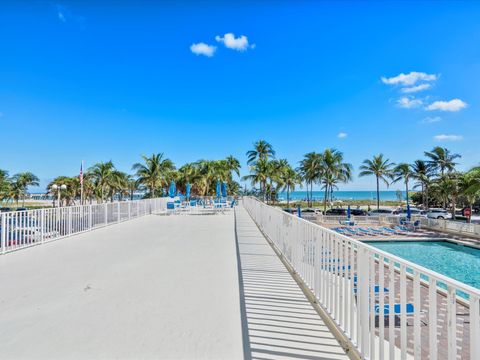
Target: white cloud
[[61, 16], [342, 135], [444, 137], [409, 79], [414, 89], [452, 105], [203, 49], [408, 103], [230, 41], [431, 120]]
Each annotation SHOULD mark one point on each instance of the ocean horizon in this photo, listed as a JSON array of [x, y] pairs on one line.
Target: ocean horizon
[[385, 195]]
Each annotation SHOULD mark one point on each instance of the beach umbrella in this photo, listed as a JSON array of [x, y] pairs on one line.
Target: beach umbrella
[[187, 190], [349, 212], [299, 211], [409, 213], [219, 189], [224, 189], [172, 189]]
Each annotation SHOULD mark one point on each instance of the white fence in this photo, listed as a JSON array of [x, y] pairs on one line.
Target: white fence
[[20, 229], [433, 316], [453, 226]]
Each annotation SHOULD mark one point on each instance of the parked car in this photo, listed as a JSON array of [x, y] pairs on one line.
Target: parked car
[[21, 209], [5, 209], [438, 214], [381, 212], [358, 212], [413, 212], [336, 212]]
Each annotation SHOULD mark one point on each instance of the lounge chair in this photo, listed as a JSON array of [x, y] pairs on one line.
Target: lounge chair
[[397, 309], [367, 232], [376, 289]]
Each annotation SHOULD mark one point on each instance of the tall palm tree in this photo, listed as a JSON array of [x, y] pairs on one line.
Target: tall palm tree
[[259, 174], [101, 175], [311, 171], [154, 172], [469, 183], [5, 185], [441, 159], [289, 179], [334, 170], [379, 167], [261, 150], [403, 171], [422, 172], [233, 164], [23, 181]]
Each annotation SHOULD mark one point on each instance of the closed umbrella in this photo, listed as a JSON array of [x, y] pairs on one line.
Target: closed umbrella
[[187, 191], [349, 213], [172, 189], [219, 189], [409, 213], [224, 189]]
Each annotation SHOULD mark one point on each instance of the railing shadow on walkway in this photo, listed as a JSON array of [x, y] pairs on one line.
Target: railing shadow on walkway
[[277, 319]]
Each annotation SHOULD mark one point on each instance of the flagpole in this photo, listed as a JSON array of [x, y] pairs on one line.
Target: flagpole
[[81, 184]]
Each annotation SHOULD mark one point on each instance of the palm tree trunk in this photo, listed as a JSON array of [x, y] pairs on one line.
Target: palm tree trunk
[[426, 196], [325, 200], [378, 194], [288, 196]]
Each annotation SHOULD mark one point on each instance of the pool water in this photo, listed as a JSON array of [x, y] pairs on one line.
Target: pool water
[[459, 262]]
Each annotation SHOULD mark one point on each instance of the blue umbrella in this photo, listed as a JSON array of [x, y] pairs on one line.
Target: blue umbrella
[[219, 189], [299, 211], [187, 191], [172, 189], [224, 189], [409, 213], [349, 212]]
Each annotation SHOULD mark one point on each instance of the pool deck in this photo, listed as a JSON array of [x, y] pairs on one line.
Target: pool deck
[[176, 287]]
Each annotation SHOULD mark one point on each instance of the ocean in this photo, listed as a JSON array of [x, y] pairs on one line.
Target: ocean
[[345, 195]]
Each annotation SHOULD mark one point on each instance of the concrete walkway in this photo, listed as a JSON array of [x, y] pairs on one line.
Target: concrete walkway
[[158, 287], [281, 322], [152, 288]]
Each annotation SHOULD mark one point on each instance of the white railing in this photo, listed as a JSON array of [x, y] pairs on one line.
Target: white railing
[[453, 226], [434, 317], [21, 229]]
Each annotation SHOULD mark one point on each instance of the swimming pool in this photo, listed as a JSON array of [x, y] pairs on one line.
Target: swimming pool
[[459, 262]]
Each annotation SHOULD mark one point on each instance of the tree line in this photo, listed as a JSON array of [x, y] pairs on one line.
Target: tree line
[[104, 182], [435, 176]]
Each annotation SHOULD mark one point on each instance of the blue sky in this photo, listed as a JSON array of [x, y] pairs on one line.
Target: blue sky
[[94, 82]]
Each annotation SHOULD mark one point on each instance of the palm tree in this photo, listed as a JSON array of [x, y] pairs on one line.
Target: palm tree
[[5, 185], [289, 179], [470, 187], [381, 168], [422, 173], [261, 150], [311, 171], [441, 159], [23, 181], [333, 171], [233, 164], [259, 174], [154, 172], [403, 172], [101, 174]]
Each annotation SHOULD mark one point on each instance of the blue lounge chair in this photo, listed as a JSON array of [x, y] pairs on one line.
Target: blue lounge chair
[[376, 289], [397, 309], [366, 231]]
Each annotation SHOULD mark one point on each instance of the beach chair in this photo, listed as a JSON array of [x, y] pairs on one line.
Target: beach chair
[[376, 289], [342, 231], [170, 207], [366, 232], [377, 231], [397, 309]]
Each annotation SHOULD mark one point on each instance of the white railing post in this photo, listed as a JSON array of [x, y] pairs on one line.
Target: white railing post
[[42, 225], [129, 203], [106, 213], [90, 215], [118, 211], [69, 212], [3, 234]]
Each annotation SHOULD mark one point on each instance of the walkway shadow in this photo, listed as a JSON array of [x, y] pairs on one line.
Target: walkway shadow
[[278, 321]]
